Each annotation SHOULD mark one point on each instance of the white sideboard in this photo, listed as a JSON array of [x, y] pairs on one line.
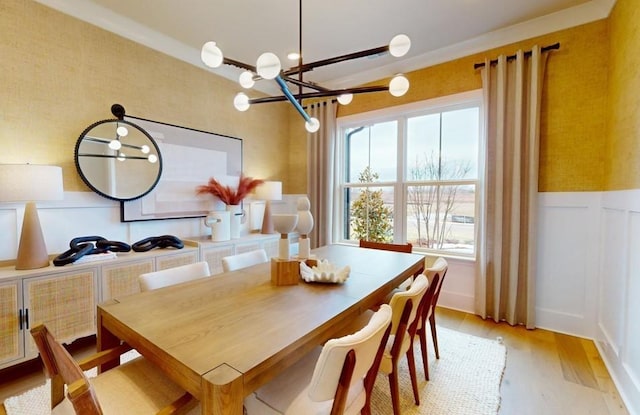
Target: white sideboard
[[213, 252], [65, 298]]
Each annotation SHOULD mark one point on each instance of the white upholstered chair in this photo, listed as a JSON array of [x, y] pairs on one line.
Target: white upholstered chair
[[435, 274], [135, 387], [243, 260], [176, 275], [406, 307], [337, 381]]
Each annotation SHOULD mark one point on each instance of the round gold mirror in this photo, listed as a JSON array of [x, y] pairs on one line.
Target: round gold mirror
[[118, 159]]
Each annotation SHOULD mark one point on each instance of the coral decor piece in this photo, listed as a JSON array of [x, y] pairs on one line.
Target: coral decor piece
[[228, 195], [324, 272]]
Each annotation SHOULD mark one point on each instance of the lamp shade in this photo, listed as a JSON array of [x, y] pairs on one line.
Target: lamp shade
[[269, 191], [30, 182]]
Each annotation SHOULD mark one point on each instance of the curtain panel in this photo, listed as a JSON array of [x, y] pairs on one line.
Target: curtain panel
[[321, 168], [505, 278]]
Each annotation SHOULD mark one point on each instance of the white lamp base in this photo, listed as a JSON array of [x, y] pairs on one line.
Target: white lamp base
[[32, 252]]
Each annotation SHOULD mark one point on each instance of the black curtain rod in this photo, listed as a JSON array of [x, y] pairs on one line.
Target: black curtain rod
[[526, 54]]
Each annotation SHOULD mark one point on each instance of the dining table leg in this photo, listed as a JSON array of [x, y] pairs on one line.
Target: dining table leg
[[105, 340], [222, 392]]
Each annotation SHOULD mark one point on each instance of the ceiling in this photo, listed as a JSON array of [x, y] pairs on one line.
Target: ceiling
[[440, 30]]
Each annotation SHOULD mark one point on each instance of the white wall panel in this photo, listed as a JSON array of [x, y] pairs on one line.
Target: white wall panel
[[631, 357], [613, 276], [567, 262], [618, 335]]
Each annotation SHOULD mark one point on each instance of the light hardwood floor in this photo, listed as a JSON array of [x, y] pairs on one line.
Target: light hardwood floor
[[547, 373]]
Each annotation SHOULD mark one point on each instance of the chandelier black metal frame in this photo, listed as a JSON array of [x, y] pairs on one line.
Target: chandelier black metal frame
[[268, 66]]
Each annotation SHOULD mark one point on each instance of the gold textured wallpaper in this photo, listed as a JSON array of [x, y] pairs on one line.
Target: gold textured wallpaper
[[623, 151], [573, 130], [60, 74]]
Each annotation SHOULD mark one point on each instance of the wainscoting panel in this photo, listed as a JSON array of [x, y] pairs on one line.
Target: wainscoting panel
[[567, 262], [618, 335], [613, 284]]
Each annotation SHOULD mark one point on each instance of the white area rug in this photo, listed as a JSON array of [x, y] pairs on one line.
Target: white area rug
[[464, 381]]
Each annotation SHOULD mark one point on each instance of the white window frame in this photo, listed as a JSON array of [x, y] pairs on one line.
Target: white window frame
[[401, 113]]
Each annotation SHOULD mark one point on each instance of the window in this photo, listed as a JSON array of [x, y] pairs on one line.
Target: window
[[410, 173]]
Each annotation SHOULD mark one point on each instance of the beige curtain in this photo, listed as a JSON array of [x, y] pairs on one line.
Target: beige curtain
[[321, 168], [505, 278]]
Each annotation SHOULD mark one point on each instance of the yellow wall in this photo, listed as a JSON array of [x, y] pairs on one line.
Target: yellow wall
[[623, 150], [60, 74], [573, 130]]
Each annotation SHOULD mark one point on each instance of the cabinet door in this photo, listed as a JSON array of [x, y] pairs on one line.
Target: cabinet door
[[11, 333], [247, 247], [214, 255], [122, 279], [271, 247], [176, 260], [65, 303]]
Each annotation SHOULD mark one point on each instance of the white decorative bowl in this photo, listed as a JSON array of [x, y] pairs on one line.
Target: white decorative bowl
[[284, 222], [324, 272]]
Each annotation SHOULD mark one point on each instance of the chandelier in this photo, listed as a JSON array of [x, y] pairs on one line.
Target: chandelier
[[268, 67]]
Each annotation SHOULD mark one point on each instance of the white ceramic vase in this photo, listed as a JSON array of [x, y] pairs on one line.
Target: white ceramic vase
[[235, 211]]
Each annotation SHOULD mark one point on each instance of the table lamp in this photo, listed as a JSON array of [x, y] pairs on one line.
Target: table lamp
[[268, 191], [28, 183]]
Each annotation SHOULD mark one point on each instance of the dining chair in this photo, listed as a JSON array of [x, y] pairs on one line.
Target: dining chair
[[406, 309], [435, 274], [170, 276], [243, 260], [335, 379], [135, 387], [407, 248]]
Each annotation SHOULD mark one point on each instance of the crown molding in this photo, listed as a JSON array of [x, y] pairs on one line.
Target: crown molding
[[127, 28], [564, 19]]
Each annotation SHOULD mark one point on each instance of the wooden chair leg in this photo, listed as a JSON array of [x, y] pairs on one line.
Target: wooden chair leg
[[434, 334], [422, 334], [412, 373], [395, 394]]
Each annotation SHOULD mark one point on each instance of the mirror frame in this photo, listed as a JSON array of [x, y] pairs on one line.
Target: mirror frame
[[86, 180]]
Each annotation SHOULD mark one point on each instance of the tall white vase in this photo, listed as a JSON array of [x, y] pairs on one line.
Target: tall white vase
[[236, 213]]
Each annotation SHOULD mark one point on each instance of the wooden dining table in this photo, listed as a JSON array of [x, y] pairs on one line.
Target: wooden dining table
[[222, 337]]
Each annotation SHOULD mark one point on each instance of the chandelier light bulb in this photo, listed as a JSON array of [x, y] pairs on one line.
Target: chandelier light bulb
[[115, 144], [211, 55], [293, 56], [246, 79], [268, 65], [312, 125], [345, 99], [122, 131], [398, 86], [145, 149], [399, 45], [241, 101], [121, 157], [152, 158]]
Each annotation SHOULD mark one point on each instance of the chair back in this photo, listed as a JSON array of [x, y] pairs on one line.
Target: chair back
[[407, 248], [176, 275], [439, 267], [415, 293], [59, 364], [243, 260], [365, 345]]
